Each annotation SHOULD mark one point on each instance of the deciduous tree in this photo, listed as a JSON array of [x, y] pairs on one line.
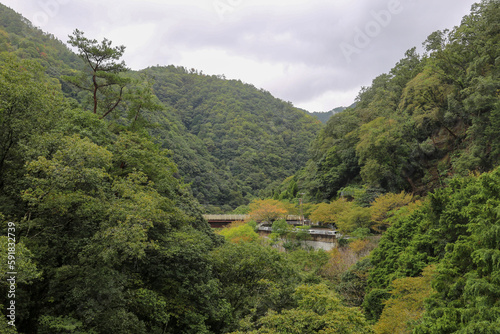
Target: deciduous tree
[[267, 210], [239, 232], [406, 306], [384, 206], [330, 213]]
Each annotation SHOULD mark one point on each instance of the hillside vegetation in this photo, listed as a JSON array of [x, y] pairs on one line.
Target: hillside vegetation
[[101, 183], [325, 116], [239, 138], [432, 117], [228, 139]]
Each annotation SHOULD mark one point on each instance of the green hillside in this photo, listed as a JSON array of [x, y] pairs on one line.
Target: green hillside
[[432, 117], [18, 36], [242, 138], [102, 172], [229, 139], [325, 116]]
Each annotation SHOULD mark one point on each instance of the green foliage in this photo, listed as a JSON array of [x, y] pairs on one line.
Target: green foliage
[[456, 228], [237, 139], [241, 233], [310, 261], [388, 260], [254, 278], [429, 118], [406, 306], [111, 240], [29, 104], [136, 152], [334, 161], [353, 219], [381, 153], [5, 327], [301, 233], [331, 213], [281, 228], [23, 259], [61, 325], [112, 224], [466, 285], [352, 285], [241, 210], [373, 303], [361, 233], [385, 206], [318, 311]]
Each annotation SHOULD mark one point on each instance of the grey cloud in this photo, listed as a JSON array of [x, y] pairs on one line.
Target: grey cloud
[[308, 35]]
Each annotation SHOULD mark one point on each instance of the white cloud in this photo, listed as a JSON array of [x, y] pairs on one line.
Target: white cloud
[[138, 39]]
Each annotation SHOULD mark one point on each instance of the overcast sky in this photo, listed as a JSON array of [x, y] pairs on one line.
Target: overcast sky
[[316, 54]]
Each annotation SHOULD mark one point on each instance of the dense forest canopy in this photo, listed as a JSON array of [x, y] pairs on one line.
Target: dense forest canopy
[[102, 176], [241, 138]]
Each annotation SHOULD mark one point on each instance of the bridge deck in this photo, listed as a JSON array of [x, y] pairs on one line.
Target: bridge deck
[[232, 218], [225, 218]]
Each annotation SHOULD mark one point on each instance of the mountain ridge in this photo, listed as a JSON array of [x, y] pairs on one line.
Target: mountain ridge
[[228, 138], [324, 116]]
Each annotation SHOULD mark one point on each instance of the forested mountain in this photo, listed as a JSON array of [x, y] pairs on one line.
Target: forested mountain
[[431, 117], [100, 232], [325, 116], [430, 127], [229, 139], [18, 36]]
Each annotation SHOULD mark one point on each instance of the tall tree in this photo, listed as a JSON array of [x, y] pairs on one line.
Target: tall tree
[[104, 81]]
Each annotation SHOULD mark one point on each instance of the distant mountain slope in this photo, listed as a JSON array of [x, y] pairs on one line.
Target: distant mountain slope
[[325, 116], [244, 137]]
